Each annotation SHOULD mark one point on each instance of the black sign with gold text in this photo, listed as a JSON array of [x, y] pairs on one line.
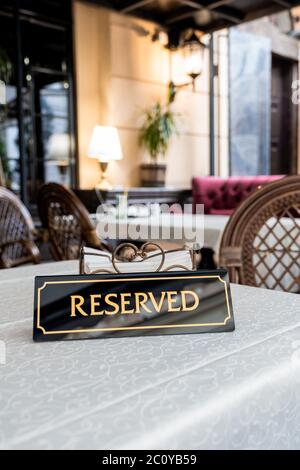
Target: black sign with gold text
[[111, 305]]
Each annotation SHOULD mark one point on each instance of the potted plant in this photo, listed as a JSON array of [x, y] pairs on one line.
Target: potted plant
[[155, 135]]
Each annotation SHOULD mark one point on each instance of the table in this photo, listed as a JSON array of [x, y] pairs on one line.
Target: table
[[216, 391], [210, 227], [91, 198]]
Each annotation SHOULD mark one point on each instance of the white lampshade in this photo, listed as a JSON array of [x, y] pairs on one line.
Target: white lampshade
[[59, 146], [105, 144]]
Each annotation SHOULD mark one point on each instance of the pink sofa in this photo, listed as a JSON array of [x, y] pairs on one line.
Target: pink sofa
[[221, 196]]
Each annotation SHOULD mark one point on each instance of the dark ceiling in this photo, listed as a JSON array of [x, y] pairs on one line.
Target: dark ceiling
[[203, 15]]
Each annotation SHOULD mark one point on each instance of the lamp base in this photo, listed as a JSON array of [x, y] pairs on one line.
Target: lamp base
[[104, 184]]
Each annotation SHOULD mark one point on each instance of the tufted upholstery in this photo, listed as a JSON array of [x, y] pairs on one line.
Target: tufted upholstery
[[221, 196]]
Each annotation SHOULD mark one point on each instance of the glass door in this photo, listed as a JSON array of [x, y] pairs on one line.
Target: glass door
[[46, 101], [10, 168], [37, 142]]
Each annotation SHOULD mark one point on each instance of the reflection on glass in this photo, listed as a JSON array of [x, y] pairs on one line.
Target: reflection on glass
[[9, 131], [46, 102], [250, 94], [54, 100], [36, 107], [58, 158], [55, 132]]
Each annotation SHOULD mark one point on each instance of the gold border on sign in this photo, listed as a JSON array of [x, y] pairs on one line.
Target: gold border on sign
[[88, 330]]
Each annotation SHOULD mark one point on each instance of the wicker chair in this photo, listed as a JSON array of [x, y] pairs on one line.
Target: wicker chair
[[17, 232], [67, 221], [261, 242]]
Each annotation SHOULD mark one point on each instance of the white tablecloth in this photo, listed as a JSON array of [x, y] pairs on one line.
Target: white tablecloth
[[232, 390]]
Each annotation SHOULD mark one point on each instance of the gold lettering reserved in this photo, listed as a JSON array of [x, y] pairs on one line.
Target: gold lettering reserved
[[134, 303]]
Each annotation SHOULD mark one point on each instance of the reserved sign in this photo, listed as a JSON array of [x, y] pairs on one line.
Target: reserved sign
[[110, 305]]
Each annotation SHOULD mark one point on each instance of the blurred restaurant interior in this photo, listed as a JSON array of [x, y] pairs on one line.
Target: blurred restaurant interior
[[117, 116], [173, 102]]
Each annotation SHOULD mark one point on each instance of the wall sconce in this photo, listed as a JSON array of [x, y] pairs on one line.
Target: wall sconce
[[193, 56]]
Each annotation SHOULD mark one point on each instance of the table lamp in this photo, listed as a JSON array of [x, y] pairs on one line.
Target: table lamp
[[58, 153], [105, 147]]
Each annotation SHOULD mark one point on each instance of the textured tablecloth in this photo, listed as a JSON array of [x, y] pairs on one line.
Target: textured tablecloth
[[230, 391]]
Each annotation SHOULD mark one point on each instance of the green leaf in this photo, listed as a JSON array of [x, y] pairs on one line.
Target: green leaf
[[157, 130]]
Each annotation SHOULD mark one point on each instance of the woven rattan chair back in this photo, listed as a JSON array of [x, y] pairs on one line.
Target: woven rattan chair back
[[261, 242], [17, 232], [67, 222]]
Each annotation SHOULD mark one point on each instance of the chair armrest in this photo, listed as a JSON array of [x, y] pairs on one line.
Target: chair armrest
[[231, 256]]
